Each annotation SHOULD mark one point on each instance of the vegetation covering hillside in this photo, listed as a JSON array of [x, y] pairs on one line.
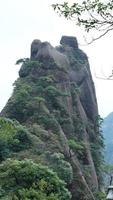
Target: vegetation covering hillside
[[108, 137], [51, 118]]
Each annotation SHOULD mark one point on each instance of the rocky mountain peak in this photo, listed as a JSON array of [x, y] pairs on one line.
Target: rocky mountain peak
[[42, 51], [69, 41], [54, 98]]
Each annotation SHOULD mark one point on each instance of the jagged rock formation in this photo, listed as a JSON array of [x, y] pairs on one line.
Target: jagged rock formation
[[54, 98]]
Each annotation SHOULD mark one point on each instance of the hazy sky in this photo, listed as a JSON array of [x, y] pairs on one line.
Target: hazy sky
[[22, 21]]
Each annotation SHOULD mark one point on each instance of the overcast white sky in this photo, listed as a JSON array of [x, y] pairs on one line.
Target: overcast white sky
[[22, 21]]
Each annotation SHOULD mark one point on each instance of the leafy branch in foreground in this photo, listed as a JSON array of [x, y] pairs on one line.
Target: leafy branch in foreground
[[90, 14]]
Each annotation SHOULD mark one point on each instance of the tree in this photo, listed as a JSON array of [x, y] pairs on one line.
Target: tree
[[91, 15], [22, 61], [61, 167], [27, 180], [13, 138]]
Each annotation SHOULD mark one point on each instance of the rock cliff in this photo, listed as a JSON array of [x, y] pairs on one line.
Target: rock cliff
[[54, 97]]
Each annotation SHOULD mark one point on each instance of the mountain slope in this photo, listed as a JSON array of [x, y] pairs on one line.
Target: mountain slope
[[107, 128], [54, 98]]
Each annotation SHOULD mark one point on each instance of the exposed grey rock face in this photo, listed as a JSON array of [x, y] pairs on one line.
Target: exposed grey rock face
[[70, 57], [35, 47], [69, 41], [79, 72], [44, 51]]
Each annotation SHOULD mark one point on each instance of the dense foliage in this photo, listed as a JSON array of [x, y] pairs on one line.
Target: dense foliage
[[28, 180], [13, 138], [63, 168]]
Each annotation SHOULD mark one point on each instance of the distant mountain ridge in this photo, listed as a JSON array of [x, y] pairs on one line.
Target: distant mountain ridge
[[107, 129]]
